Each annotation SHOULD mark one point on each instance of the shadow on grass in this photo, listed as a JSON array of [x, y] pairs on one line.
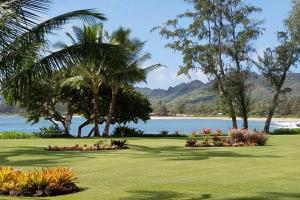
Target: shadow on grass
[[181, 153], [37, 156], [170, 195], [269, 196], [161, 195]]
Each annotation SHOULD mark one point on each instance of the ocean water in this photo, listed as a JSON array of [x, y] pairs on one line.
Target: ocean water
[[153, 126]]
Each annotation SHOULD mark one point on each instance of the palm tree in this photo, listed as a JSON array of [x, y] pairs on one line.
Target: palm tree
[[95, 61], [130, 73], [23, 41]]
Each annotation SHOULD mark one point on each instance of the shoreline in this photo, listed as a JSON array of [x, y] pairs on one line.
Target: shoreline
[[279, 119], [225, 118]]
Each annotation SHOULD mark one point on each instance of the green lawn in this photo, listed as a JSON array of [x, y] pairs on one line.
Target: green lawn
[[162, 169]]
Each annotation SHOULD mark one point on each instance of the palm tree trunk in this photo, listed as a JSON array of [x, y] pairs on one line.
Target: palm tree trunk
[[96, 113], [111, 110], [271, 113]]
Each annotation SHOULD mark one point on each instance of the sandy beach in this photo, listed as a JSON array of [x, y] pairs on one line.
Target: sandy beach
[[227, 118]]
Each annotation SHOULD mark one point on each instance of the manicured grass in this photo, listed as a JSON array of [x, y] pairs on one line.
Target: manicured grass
[[160, 169]]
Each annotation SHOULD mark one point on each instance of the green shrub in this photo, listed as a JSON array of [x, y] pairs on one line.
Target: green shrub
[[164, 133], [125, 131], [119, 143], [286, 131], [16, 135], [51, 132]]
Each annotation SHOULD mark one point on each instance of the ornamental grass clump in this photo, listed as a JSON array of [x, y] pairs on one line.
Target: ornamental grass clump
[[46, 182], [247, 138]]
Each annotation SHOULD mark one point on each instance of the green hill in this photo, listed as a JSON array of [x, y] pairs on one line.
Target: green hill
[[196, 93]]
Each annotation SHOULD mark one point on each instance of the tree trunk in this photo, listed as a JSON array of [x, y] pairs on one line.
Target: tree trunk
[[271, 113], [111, 111], [81, 127], [68, 121], [245, 123], [232, 114], [91, 132], [96, 113]]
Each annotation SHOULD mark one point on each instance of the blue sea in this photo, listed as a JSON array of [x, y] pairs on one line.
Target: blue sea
[[153, 126]]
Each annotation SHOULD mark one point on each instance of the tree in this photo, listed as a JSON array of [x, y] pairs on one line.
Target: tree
[[276, 63], [130, 106], [241, 30], [180, 108], [132, 73], [46, 98], [97, 60], [23, 39], [217, 41]]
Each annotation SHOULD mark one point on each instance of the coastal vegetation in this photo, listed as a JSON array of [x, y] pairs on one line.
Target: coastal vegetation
[[93, 73]]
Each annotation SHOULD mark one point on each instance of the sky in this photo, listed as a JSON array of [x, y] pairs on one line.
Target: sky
[[142, 15]]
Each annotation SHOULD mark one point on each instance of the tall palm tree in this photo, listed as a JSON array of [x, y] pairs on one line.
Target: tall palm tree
[[23, 39], [130, 73], [95, 61]]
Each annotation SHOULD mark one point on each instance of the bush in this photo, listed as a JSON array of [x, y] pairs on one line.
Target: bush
[[245, 137], [46, 182], [236, 138], [286, 131], [125, 131], [119, 143], [192, 142], [52, 132], [16, 135], [164, 133]]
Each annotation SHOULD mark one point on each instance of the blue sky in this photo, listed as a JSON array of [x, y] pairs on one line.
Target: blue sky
[[142, 15]]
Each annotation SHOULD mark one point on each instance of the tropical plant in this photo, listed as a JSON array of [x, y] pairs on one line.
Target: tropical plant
[[45, 182], [95, 63], [192, 142], [23, 40], [131, 73], [119, 143], [125, 131]]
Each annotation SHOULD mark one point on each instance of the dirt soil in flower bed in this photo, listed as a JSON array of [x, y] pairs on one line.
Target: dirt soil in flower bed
[[99, 146]]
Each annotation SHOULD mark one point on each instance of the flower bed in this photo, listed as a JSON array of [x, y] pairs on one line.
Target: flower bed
[[46, 182], [236, 138], [99, 146]]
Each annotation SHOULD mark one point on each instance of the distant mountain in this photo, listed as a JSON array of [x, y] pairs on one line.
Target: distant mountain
[[196, 91]]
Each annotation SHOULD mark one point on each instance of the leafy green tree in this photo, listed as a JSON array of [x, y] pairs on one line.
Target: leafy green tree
[[217, 41], [276, 63], [180, 108], [131, 106], [46, 98]]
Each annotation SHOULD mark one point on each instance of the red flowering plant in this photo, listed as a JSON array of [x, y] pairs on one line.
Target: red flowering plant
[[206, 131]]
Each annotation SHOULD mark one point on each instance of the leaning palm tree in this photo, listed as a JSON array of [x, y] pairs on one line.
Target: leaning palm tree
[[130, 73], [23, 39], [95, 61]]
